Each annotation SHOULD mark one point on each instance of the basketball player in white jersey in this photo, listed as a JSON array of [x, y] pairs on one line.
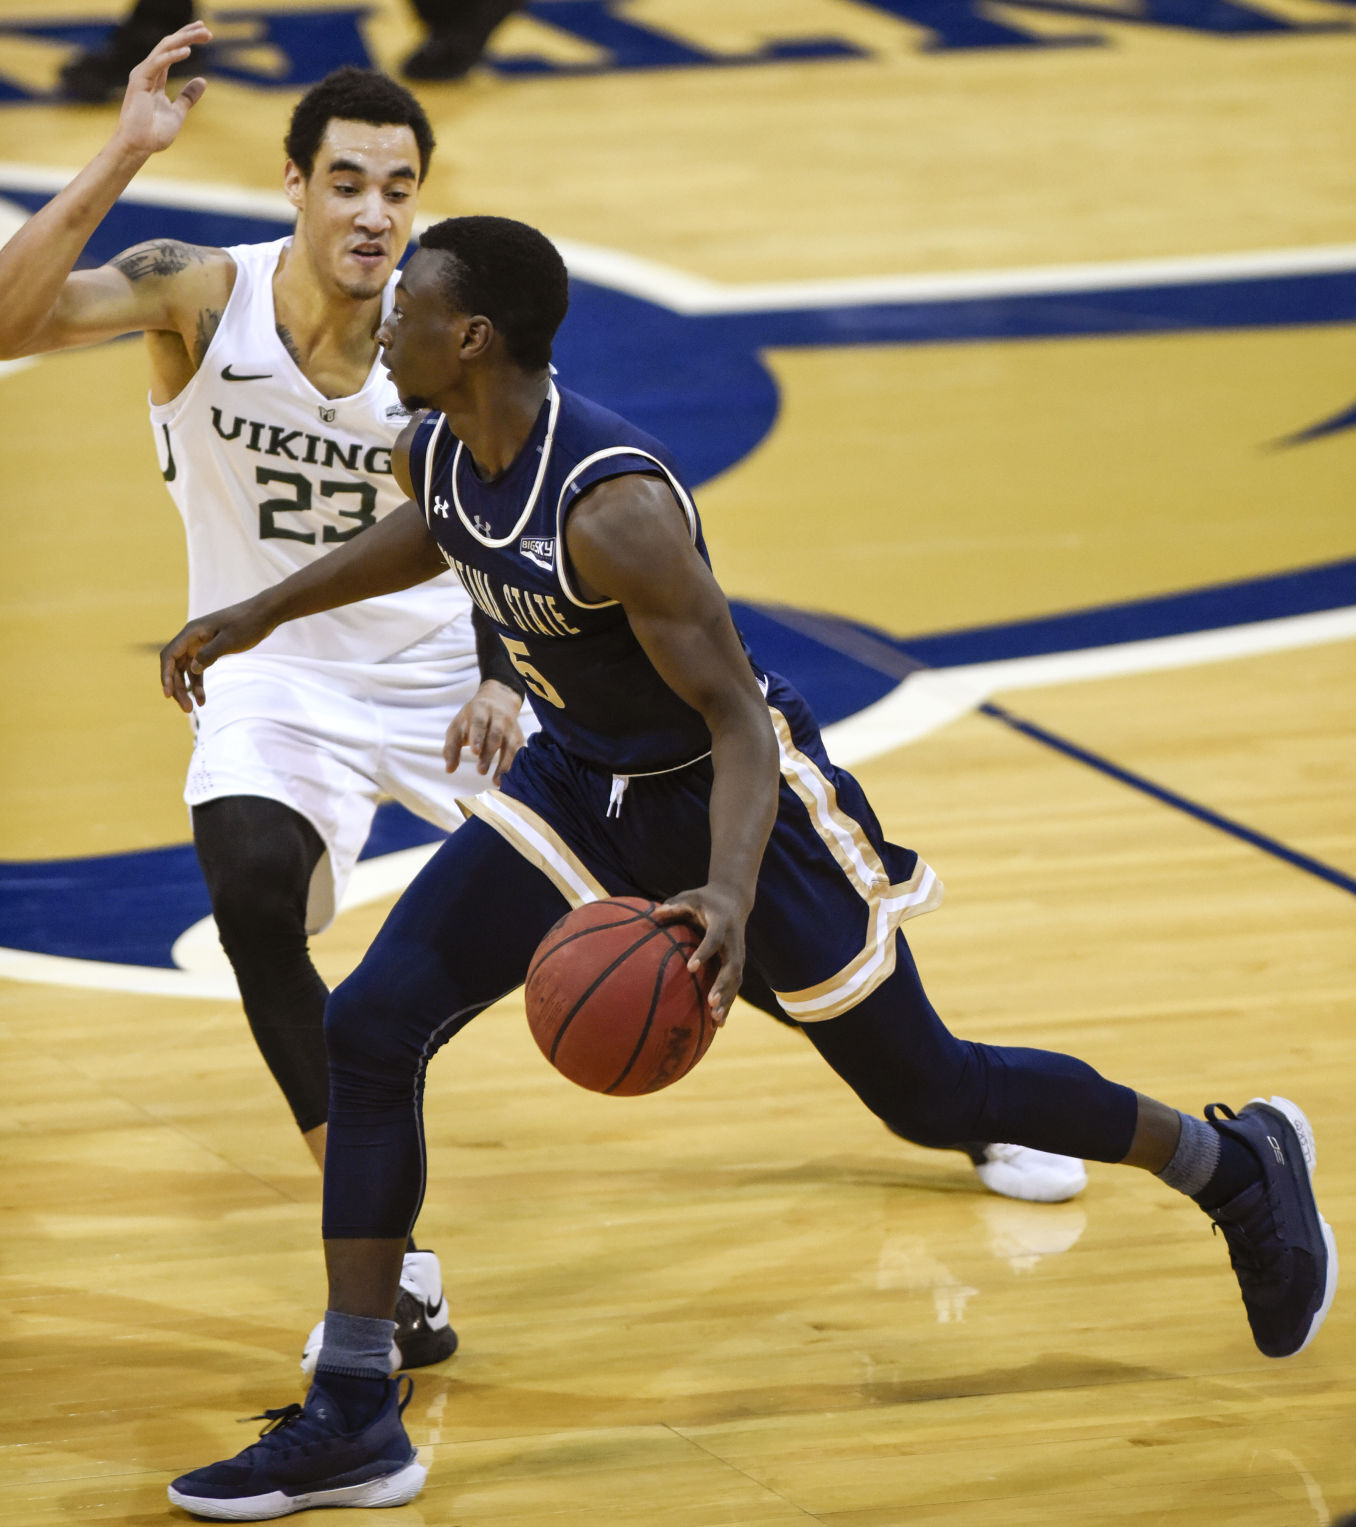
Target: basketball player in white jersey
[[273, 424]]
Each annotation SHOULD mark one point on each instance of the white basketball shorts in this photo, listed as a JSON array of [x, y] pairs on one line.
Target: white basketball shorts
[[331, 740]]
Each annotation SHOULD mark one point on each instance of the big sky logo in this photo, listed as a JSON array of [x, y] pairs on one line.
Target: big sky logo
[[683, 357], [303, 46]]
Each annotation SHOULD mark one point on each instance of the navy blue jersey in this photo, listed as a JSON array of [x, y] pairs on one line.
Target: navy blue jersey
[[591, 685]]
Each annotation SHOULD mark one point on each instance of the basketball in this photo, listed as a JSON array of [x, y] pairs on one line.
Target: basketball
[[611, 1002]]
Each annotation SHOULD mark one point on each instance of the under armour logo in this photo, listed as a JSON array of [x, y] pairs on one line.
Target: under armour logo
[[440, 505], [483, 526], [328, 415]]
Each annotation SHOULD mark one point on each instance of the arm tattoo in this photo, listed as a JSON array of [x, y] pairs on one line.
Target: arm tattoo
[[289, 344], [158, 257], [208, 321]]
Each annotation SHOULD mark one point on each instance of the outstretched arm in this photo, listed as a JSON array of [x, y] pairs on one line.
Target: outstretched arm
[[44, 303], [628, 540], [396, 553]]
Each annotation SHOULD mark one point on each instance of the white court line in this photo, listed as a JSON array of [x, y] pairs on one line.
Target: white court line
[[930, 698], [683, 292], [197, 950], [923, 703]]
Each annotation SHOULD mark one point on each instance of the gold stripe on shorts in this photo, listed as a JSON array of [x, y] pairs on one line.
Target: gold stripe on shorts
[[843, 835], [538, 842], [887, 905]]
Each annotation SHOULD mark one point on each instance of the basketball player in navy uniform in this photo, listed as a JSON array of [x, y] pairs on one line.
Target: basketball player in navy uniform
[[274, 426], [668, 765]]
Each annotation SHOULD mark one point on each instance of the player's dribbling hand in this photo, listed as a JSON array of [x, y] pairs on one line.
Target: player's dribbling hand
[[237, 628], [722, 924], [488, 725], [149, 120]]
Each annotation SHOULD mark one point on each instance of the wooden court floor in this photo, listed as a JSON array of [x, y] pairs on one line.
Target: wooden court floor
[[742, 1303]]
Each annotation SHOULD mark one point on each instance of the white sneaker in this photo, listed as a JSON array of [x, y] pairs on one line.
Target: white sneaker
[[423, 1332], [1017, 1171]]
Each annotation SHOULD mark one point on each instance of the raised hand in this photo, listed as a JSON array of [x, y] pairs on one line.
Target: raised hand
[[150, 120]]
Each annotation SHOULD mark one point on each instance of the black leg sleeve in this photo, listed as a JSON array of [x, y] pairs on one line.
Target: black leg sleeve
[[257, 857]]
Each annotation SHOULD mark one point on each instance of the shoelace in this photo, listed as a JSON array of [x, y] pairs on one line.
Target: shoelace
[[292, 1415], [278, 1421], [1245, 1236]]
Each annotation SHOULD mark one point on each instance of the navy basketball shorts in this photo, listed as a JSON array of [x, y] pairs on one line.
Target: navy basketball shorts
[[823, 935], [832, 891]]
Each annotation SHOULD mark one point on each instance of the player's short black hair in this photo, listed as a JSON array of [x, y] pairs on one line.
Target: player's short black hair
[[508, 272], [355, 95]]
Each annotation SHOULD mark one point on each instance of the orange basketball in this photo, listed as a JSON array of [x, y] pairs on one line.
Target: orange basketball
[[611, 1002]]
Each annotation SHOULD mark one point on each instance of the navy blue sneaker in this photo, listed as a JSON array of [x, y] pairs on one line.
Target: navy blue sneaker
[[1281, 1247], [305, 1459]]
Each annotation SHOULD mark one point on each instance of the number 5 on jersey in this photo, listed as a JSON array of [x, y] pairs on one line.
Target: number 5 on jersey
[[535, 680]]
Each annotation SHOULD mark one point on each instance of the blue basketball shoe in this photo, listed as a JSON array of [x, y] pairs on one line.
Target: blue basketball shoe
[[1281, 1247], [304, 1459]]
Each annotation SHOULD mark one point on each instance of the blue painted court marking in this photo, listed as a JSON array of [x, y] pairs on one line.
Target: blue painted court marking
[[897, 659], [1171, 798]]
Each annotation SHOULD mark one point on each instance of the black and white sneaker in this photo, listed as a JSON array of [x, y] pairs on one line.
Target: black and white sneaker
[[1281, 1247], [423, 1332]]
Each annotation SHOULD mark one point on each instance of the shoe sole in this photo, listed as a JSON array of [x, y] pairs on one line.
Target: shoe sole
[[420, 1348], [387, 1490], [1294, 1116]]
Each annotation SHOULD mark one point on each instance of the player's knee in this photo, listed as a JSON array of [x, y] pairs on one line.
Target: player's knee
[[258, 925], [256, 857], [368, 1029], [939, 1107], [353, 1021], [921, 1125]]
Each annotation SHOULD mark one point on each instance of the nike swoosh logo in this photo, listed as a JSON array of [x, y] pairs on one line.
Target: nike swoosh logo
[[227, 375], [169, 472], [430, 1310]]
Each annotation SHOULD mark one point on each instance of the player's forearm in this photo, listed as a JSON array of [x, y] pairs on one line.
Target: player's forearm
[[745, 780], [492, 656], [35, 263]]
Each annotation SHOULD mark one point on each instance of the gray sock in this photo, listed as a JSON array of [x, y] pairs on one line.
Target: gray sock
[[1195, 1159], [356, 1345]]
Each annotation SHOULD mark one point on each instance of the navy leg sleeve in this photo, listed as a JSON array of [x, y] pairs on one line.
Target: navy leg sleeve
[[460, 937], [927, 1085]]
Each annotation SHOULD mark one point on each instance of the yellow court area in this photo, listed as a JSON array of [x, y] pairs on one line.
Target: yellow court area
[[742, 1303]]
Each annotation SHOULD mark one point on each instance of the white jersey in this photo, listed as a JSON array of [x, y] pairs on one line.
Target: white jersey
[[268, 474]]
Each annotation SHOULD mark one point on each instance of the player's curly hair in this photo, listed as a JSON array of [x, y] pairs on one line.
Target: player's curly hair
[[508, 272], [355, 95]]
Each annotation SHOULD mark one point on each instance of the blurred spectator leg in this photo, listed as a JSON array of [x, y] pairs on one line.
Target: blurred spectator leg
[[457, 33], [100, 73]]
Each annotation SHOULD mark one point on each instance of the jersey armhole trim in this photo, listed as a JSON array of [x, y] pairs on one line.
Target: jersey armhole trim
[[429, 442], [168, 413], [679, 492]]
